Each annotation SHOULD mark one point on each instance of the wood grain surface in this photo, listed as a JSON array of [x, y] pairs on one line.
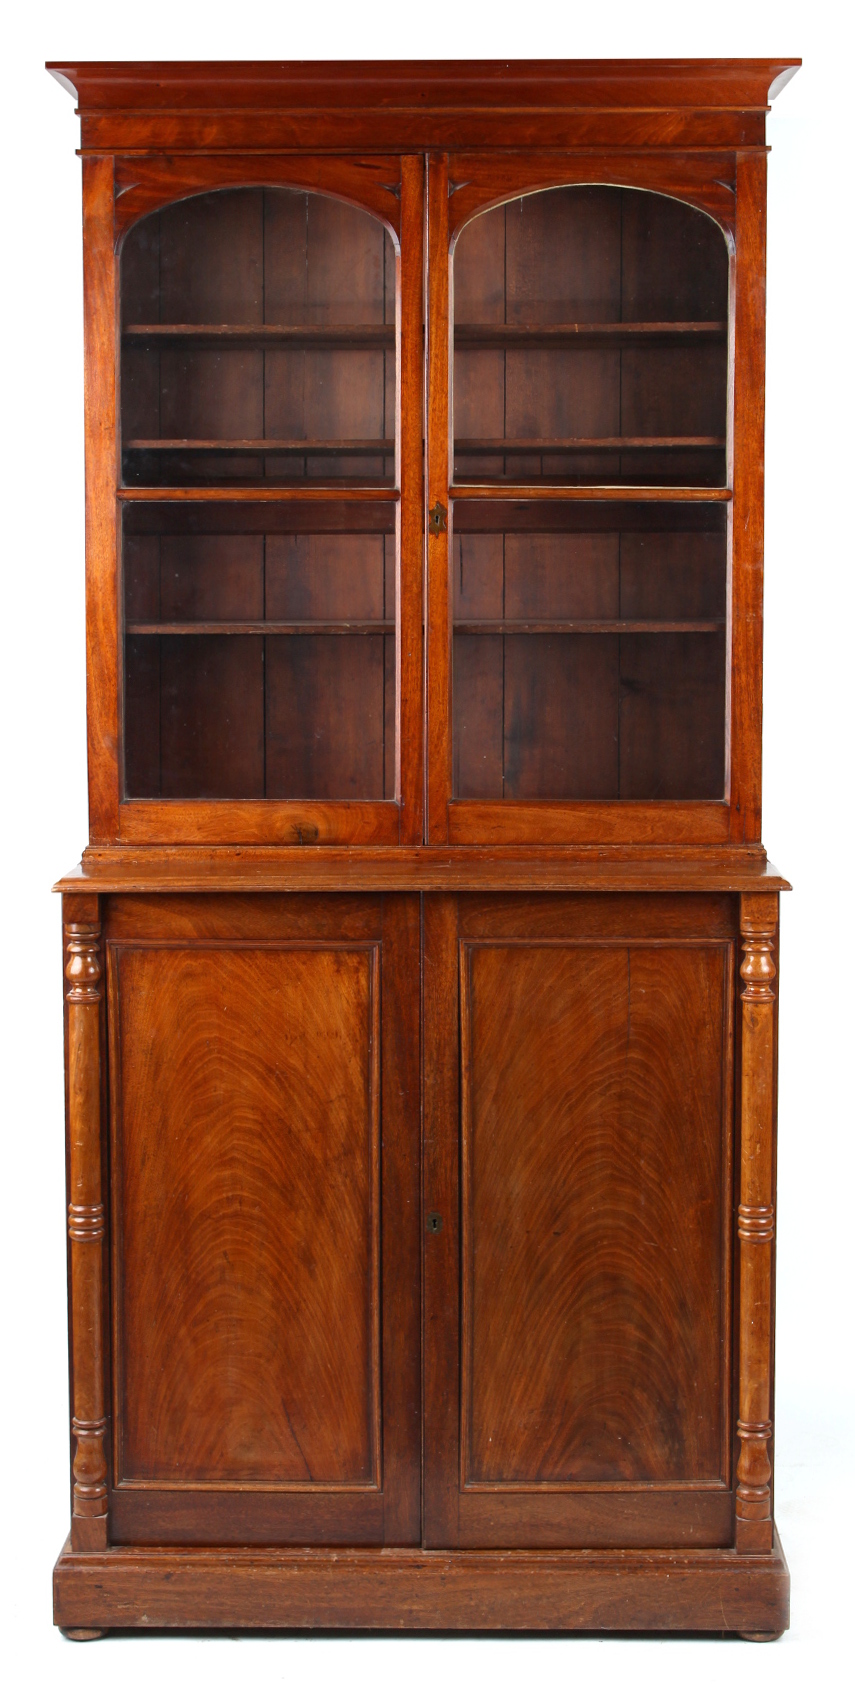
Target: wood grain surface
[[218, 869], [410, 1089], [696, 1589], [247, 1127], [593, 1160], [756, 1223], [247, 1086], [87, 1221], [596, 1145], [665, 104]]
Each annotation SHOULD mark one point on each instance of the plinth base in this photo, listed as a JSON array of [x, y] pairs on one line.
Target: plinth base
[[410, 1588]]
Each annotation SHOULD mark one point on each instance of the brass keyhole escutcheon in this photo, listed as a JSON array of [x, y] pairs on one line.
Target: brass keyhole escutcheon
[[434, 1223], [438, 519]]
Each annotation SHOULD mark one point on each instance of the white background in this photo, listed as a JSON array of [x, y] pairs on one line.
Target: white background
[[808, 774]]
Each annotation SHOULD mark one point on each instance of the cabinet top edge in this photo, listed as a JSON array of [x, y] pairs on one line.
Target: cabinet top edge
[[415, 85], [416, 870]]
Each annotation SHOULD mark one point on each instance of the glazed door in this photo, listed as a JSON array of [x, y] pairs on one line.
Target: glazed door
[[267, 557], [578, 1188], [264, 1152], [586, 644]]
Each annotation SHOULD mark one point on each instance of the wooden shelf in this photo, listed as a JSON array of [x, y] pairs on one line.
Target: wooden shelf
[[588, 444], [298, 490], [251, 336], [359, 336], [588, 626], [505, 446], [303, 449], [536, 491], [587, 334], [379, 626]]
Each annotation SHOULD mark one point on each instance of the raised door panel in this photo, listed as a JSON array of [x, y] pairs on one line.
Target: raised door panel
[[594, 1403], [248, 1190]]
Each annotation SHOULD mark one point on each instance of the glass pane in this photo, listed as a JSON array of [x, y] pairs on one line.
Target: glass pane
[[258, 342], [589, 651], [259, 651], [590, 341]]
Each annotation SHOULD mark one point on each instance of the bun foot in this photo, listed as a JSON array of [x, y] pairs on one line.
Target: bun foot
[[761, 1634], [83, 1634]]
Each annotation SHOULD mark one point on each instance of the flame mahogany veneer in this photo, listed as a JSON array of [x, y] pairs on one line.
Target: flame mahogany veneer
[[421, 969]]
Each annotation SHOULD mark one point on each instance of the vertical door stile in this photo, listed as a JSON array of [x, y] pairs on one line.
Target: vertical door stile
[[438, 537], [440, 1231], [410, 662]]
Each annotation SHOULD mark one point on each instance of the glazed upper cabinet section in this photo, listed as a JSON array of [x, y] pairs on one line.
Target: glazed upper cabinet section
[[592, 445], [258, 341], [590, 341]]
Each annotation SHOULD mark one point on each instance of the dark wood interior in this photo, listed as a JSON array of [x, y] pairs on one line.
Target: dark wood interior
[[590, 341], [253, 316], [260, 651], [590, 652], [259, 665], [588, 666]]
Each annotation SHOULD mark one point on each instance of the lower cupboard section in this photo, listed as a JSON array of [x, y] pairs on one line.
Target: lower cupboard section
[[516, 1335]]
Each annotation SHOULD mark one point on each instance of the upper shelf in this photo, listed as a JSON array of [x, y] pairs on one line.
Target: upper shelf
[[347, 336], [587, 335], [267, 444], [506, 446], [474, 335], [510, 447]]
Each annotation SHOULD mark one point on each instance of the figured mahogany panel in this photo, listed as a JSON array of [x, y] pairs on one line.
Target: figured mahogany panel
[[247, 1189], [593, 1161], [594, 1055], [264, 1112]]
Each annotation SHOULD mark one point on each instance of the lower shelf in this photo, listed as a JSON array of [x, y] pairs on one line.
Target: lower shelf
[[409, 1588]]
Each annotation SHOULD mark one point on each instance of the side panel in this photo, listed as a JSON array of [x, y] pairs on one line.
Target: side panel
[[257, 1382], [595, 1172]]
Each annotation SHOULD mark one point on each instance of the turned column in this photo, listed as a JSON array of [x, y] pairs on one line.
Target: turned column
[[756, 1225], [86, 1228]]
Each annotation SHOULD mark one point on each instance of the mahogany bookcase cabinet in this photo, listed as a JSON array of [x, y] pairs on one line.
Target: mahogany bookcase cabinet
[[420, 972]]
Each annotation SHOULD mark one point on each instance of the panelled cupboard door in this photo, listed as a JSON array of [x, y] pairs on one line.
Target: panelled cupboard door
[[577, 1260], [264, 1145]]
